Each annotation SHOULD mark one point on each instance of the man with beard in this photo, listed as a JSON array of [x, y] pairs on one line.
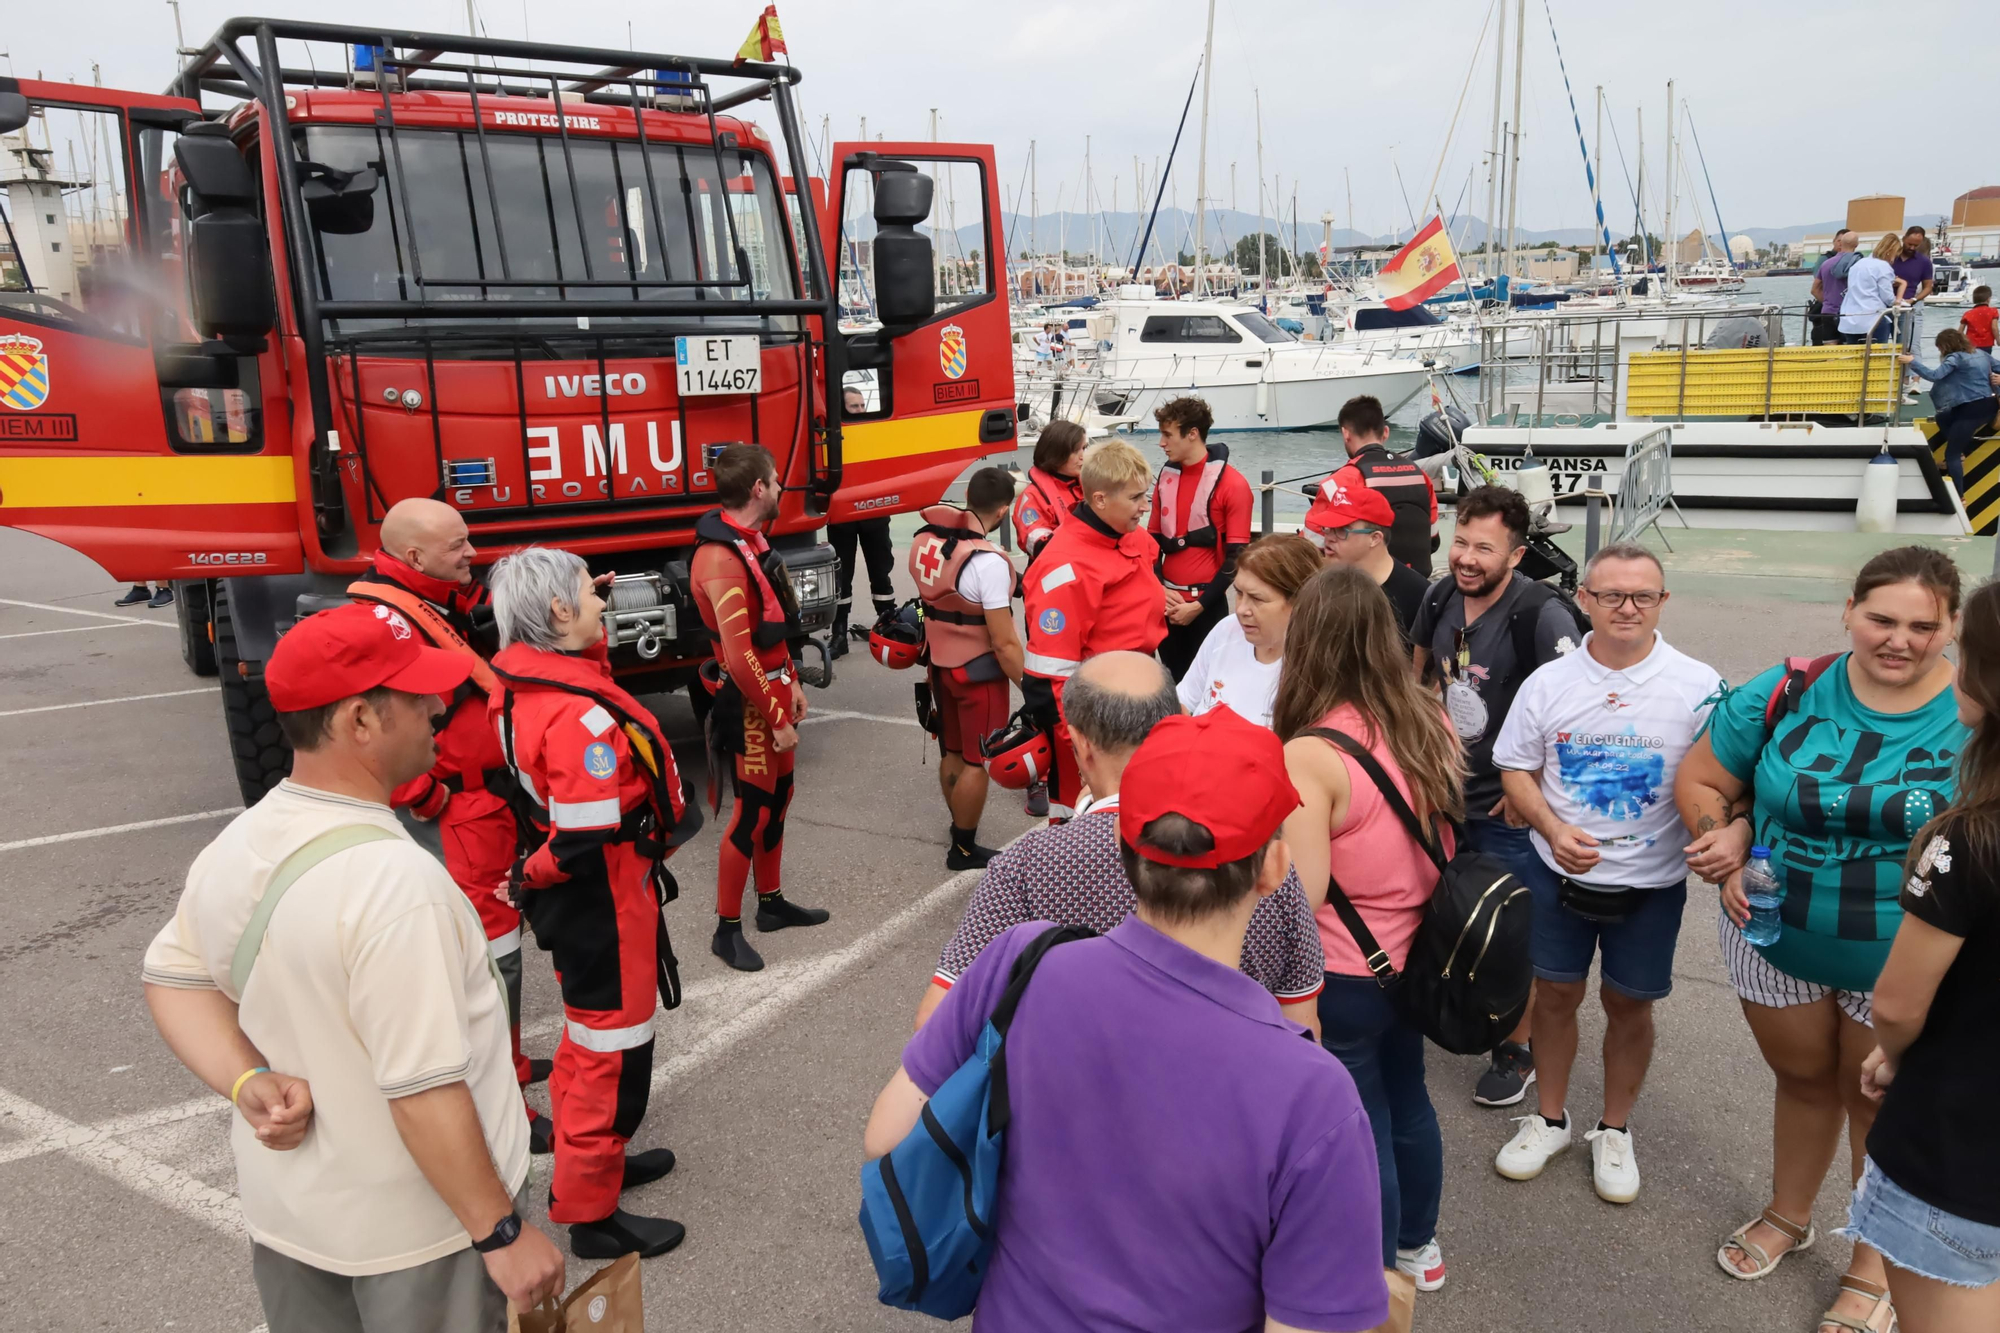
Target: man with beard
[[1481, 631]]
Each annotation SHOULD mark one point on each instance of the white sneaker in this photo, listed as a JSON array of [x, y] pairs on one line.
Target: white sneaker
[[1614, 1168], [1425, 1264], [1533, 1144]]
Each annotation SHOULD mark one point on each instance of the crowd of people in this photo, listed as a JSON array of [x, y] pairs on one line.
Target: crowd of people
[[1257, 758]]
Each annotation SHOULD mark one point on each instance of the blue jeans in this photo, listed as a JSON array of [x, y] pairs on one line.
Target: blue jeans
[[1505, 843], [1957, 425], [1927, 1241], [1385, 1055], [1638, 951]]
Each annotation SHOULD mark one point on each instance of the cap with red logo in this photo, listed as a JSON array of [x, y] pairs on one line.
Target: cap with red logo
[[1337, 506], [1224, 773], [353, 649]]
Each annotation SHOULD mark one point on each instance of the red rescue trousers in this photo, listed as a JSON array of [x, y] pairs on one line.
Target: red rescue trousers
[[755, 838]]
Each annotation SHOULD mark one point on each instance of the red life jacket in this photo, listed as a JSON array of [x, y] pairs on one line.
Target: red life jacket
[[1201, 530], [1042, 507], [778, 608], [954, 626]]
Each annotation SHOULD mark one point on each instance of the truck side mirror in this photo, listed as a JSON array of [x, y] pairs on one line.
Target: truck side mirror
[[340, 203], [13, 112], [228, 255], [905, 282]]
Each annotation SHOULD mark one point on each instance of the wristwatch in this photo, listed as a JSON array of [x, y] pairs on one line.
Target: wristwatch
[[505, 1232]]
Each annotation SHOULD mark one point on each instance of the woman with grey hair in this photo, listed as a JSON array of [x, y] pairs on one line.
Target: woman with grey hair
[[606, 795]]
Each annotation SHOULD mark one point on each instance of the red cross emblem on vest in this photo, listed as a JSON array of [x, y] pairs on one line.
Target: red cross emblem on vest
[[930, 560]]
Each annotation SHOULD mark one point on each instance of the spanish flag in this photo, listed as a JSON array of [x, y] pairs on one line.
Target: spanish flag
[[765, 40], [1420, 270]]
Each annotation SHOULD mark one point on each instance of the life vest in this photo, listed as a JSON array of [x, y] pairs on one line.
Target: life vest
[[1408, 491], [1201, 529], [778, 607], [431, 621], [954, 626]]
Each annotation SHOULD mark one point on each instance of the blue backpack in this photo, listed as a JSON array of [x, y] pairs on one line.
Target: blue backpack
[[927, 1207]]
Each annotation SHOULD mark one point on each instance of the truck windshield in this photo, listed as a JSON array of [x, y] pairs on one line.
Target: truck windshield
[[655, 222]]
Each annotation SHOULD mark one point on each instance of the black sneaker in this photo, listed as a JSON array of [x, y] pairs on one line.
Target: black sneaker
[[164, 597], [730, 946], [973, 857], [134, 595], [775, 912], [1506, 1081], [539, 1071], [643, 1168], [625, 1233], [541, 1136]]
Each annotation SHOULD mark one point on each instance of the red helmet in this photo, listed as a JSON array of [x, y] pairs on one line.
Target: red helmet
[[711, 676], [1019, 754], [897, 639]]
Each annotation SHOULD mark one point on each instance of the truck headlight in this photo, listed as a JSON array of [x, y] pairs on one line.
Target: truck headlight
[[816, 585]]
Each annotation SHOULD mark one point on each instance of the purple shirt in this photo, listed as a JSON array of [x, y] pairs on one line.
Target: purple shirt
[[1181, 1156], [1914, 270], [1832, 290]]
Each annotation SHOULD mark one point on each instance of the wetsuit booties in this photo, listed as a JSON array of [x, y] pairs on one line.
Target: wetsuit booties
[[730, 946], [966, 853], [775, 912], [625, 1233]]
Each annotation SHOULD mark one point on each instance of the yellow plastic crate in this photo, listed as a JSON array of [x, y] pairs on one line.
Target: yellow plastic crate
[[1753, 381]]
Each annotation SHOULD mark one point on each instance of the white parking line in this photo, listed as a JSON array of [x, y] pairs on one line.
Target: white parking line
[[843, 715], [105, 832], [94, 615], [72, 629], [97, 703]]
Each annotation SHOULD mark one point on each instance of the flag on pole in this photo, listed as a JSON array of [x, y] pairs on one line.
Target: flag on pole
[[1420, 270], [767, 39]]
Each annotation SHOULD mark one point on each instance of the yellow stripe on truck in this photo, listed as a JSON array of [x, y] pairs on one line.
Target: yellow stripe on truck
[[869, 441], [90, 483]]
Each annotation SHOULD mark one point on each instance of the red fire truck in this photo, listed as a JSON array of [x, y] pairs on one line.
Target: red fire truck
[[332, 267]]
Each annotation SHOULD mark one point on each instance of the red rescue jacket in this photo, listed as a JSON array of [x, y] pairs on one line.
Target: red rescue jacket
[[1092, 591], [1041, 508]]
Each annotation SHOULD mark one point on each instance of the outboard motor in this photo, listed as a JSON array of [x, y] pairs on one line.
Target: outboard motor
[[1439, 431]]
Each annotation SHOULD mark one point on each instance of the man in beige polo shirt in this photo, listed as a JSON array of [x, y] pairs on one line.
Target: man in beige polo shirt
[[379, 1168]]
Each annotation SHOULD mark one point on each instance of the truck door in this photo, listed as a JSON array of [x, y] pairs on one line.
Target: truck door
[[923, 403], [149, 482]]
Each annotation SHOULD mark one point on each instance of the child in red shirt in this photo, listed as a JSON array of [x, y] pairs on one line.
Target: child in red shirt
[[1978, 321]]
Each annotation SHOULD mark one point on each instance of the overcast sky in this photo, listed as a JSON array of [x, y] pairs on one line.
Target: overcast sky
[[1348, 88]]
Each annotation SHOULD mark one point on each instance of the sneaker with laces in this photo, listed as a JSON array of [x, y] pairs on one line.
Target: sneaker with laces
[[1425, 1264], [1533, 1144], [1507, 1080], [1614, 1169]]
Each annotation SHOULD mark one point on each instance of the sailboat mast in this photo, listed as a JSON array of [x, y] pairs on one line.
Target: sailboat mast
[[1263, 283], [1493, 149], [1597, 169], [1639, 198], [1034, 220], [1514, 162], [1667, 184], [1201, 170]]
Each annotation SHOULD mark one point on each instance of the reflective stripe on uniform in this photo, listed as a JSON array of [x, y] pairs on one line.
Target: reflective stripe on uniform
[[1058, 576], [1415, 479], [610, 1039], [502, 945], [584, 814], [1049, 666], [597, 721]]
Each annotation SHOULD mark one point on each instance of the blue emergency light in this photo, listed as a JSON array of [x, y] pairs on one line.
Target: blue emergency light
[[367, 59], [468, 472], [675, 88]]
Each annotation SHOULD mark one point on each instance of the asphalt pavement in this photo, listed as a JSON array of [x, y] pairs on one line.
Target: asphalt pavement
[[115, 1169]]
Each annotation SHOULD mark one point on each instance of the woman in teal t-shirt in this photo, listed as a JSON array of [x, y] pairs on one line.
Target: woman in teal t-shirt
[[1836, 785]]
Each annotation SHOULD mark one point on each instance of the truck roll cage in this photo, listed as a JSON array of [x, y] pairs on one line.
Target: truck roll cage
[[566, 79]]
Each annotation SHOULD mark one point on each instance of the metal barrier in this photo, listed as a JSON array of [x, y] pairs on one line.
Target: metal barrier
[[1645, 491]]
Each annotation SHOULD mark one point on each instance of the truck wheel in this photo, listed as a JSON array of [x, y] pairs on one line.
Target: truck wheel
[[191, 611], [256, 746]]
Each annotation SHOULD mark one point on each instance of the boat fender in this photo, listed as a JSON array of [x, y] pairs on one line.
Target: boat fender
[[1531, 479], [1264, 397], [1875, 508]]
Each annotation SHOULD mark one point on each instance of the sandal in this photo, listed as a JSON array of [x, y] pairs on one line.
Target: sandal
[[1881, 1317], [1802, 1238]]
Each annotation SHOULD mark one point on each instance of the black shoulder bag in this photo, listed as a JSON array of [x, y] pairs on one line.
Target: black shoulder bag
[[1465, 982]]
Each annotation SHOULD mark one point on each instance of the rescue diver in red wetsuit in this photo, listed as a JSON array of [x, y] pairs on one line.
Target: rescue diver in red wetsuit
[[598, 787], [746, 601]]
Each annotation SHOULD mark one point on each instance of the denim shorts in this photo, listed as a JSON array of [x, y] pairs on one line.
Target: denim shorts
[[1913, 1235], [1638, 951]]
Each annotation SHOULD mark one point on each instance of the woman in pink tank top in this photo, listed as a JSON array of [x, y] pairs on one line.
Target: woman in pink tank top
[[1347, 670]]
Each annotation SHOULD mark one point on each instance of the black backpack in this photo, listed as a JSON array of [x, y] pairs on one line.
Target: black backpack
[[1521, 623], [1465, 982]]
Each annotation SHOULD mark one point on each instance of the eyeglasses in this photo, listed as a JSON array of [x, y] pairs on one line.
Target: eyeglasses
[[1611, 601]]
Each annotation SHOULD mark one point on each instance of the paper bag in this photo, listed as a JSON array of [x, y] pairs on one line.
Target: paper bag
[[1402, 1302], [608, 1301]]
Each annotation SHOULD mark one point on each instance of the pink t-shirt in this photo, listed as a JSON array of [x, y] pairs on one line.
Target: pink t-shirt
[[1387, 877]]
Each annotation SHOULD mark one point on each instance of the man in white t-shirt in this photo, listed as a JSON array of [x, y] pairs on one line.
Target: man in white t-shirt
[[967, 587], [379, 1172], [1587, 755]]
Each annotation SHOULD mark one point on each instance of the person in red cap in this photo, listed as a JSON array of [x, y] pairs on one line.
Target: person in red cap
[[1242, 1192], [1351, 525], [599, 788], [1092, 590], [1412, 500], [1201, 519], [424, 570], [316, 939]]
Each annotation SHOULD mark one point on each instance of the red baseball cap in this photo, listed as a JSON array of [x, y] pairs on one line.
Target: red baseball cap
[[352, 649], [1336, 506], [1222, 772]]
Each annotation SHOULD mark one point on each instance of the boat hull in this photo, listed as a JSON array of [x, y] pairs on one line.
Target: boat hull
[[1289, 404]]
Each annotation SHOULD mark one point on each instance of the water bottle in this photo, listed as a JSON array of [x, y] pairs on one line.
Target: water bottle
[[1760, 886]]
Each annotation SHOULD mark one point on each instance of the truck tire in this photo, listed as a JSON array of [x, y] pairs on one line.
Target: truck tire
[[197, 634], [256, 746]]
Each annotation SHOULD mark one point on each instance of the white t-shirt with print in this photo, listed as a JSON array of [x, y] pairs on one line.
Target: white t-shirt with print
[[1608, 744], [1226, 671], [987, 578]]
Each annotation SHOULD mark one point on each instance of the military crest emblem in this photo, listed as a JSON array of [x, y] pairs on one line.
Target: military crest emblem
[[24, 372], [952, 351]]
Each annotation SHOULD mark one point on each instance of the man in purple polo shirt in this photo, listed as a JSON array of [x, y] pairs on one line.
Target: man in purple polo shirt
[[1913, 265], [1181, 1156], [1830, 286]]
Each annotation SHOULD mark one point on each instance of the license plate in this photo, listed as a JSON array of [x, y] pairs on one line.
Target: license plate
[[718, 365]]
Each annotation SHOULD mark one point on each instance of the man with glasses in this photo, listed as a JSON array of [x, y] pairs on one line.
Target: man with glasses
[[1587, 756], [1351, 525]]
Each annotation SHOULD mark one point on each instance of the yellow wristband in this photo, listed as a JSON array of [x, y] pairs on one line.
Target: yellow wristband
[[243, 1078]]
